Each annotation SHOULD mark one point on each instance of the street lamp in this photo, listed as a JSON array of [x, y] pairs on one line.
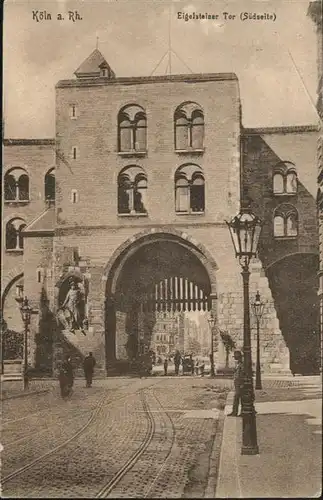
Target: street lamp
[[26, 312], [4, 327], [258, 309], [211, 321], [245, 231]]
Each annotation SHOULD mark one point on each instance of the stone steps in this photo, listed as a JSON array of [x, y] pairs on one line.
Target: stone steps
[[12, 370]]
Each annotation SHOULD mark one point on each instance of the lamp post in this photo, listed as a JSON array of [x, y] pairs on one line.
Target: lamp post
[[3, 331], [211, 321], [258, 309], [245, 231], [26, 312]]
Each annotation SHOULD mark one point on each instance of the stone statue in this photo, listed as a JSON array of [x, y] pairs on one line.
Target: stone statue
[[72, 311]]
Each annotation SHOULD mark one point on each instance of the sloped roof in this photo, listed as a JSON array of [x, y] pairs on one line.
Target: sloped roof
[[91, 65], [44, 223]]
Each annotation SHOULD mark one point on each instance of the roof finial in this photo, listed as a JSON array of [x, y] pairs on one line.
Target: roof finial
[[97, 43]]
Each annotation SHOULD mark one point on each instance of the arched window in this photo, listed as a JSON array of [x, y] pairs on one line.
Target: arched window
[[132, 129], [16, 185], [278, 183], [197, 129], [291, 224], [181, 131], [14, 238], [285, 222], [291, 182], [182, 194], [285, 179], [23, 187], [124, 191], [189, 127], [10, 187], [132, 191], [140, 192], [278, 226], [140, 127], [50, 185], [189, 189], [125, 133]]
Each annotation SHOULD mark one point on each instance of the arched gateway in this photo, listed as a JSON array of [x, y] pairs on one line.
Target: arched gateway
[[154, 272]]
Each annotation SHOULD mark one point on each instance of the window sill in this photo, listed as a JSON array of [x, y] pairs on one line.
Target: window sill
[[128, 154], [285, 194], [16, 202], [285, 238], [133, 214], [15, 250], [190, 151], [190, 213]]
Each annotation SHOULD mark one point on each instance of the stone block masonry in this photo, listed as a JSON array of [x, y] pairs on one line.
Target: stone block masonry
[[274, 353]]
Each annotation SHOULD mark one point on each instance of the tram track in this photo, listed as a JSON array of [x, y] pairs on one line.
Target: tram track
[[40, 432], [161, 468], [30, 415], [26, 467], [135, 457], [131, 455], [50, 409], [81, 431], [106, 490]]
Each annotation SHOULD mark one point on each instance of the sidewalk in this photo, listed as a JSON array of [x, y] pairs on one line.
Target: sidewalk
[[289, 429], [15, 389]]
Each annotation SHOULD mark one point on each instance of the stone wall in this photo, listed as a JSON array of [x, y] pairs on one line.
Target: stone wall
[[274, 353], [263, 150], [36, 157]]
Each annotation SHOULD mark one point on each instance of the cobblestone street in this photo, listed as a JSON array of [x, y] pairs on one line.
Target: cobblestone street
[[140, 438]]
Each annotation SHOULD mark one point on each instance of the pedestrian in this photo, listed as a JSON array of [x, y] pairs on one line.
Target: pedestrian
[[177, 361], [88, 365], [197, 367], [66, 377], [202, 367], [192, 364], [238, 383], [165, 366]]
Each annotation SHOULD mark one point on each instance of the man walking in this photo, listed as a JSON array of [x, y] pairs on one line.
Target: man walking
[[165, 366], [238, 383], [177, 361], [89, 364], [192, 364], [66, 378]]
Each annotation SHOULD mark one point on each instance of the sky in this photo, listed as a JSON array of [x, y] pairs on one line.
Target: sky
[[275, 61]]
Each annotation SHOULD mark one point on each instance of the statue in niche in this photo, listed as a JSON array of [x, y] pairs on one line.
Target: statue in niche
[[72, 311]]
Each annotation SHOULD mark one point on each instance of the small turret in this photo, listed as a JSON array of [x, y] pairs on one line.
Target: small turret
[[95, 66]]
